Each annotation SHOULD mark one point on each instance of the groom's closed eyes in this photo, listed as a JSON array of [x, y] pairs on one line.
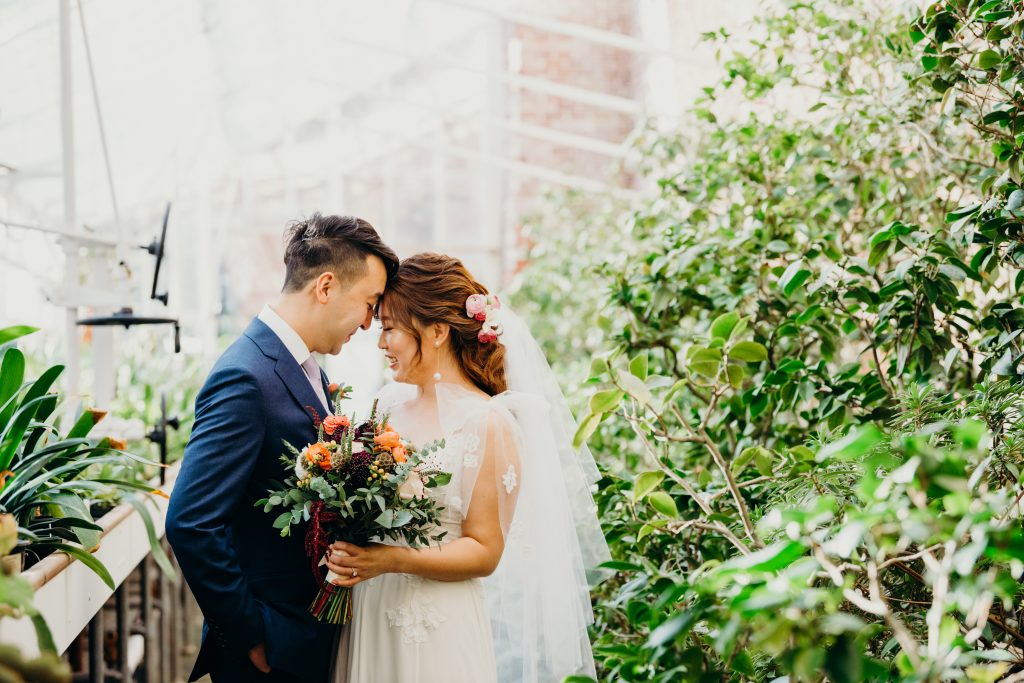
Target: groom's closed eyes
[[373, 302]]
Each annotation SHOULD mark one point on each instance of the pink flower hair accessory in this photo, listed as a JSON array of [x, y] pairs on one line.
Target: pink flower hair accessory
[[484, 307]]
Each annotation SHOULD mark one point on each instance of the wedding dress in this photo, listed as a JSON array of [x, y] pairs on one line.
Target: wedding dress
[[527, 622]]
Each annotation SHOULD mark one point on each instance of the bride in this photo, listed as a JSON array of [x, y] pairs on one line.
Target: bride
[[506, 595]]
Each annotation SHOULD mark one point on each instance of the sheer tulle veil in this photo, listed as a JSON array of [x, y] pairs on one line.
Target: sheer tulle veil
[[539, 597]]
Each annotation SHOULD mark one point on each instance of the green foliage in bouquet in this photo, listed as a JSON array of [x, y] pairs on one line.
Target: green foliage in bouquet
[[361, 483]]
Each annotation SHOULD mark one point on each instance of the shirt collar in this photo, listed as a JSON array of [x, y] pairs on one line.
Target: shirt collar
[[286, 333]]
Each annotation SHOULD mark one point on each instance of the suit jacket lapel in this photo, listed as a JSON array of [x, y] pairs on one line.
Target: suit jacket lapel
[[298, 385], [291, 374]]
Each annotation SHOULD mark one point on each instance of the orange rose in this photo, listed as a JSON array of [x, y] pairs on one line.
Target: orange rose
[[388, 439], [317, 454], [332, 422], [399, 454]]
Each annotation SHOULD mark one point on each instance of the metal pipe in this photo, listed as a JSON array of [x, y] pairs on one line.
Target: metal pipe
[[165, 623], [96, 673], [123, 631], [148, 632]]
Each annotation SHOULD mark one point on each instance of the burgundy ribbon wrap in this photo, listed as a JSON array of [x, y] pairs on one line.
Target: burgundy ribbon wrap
[[317, 538]]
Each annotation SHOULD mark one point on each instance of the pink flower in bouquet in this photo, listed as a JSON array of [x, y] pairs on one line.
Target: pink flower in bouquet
[[333, 422], [476, 305]]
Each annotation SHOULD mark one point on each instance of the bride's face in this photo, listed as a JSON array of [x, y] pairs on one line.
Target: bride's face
[[400, 349]]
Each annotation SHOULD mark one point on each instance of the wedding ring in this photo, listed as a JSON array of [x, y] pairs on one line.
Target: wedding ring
[[355, 573]]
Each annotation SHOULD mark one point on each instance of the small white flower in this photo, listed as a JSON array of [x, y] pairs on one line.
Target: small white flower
[[510, 480], [300, 468], [357, 447], [471, 460], [412, 487]]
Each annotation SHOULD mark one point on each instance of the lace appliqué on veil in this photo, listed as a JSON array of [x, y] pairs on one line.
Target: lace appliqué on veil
[[418, 617], [510, 479]]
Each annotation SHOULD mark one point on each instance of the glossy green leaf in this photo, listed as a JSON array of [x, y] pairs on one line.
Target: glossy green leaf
[[989, 59], [646, 482], [723, 325], [793, 277], [663, 503], [586, 429], [749, 351], [605, 401], [638, 366], [9, 334]]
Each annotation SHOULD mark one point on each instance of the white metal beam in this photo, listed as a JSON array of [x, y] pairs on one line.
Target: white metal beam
[[77, 238], [561, 138], [565, 28], [568, 92], [558, 137]]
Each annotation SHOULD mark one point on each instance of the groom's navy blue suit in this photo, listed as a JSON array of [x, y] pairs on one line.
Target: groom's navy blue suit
[[252, 585]]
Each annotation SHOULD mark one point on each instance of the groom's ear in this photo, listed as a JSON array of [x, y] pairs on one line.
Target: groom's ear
[[321, 285]]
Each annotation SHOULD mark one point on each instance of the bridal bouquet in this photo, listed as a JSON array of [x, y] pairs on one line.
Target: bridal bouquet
[[358, 483]]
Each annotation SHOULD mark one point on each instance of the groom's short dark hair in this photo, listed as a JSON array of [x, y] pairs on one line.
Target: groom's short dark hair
[[336, 243]]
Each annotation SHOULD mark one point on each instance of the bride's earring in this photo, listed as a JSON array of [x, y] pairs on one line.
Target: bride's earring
[[437, 375]]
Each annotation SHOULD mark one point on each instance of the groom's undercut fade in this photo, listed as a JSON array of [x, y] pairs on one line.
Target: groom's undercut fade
[[339, 244]]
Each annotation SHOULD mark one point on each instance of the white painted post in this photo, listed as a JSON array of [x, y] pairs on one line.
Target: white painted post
[[70, 246]]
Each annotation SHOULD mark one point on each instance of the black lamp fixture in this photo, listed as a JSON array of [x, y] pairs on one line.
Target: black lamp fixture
[[125, 316], [159, 433]]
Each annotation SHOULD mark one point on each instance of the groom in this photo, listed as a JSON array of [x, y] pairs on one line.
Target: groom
[[253, 586]]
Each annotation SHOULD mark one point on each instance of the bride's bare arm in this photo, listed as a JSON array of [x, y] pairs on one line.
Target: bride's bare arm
[[475, 554]]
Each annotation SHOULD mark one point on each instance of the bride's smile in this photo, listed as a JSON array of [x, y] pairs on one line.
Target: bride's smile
[[411, 358]]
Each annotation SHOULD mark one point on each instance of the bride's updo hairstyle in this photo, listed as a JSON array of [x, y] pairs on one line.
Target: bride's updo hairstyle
[[433, 288]]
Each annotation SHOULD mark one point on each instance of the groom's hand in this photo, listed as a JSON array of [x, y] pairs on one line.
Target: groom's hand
[[258, 657]]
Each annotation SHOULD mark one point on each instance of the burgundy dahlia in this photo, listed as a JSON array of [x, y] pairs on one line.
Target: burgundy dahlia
[[357, 469]]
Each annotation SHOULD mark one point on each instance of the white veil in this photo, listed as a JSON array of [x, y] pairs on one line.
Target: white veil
[[539, 597]]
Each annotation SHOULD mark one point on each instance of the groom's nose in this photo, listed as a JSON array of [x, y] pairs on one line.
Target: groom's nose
[[367, 321]]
